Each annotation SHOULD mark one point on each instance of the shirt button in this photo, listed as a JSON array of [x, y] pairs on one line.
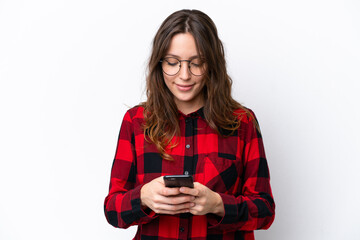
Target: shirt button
[[186, 173], [182, 229], [187, 145]]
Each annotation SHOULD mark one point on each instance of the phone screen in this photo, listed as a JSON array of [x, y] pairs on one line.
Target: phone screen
[[179, 181]]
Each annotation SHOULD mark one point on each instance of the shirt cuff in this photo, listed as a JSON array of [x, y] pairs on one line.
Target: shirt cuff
[[144, 215], [230, 207]]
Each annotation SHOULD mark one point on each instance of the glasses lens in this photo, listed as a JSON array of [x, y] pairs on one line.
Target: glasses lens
[[171, 66], [197, 67]]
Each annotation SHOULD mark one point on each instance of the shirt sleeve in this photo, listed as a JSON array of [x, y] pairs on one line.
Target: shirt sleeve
[[122, 205], [254, 208]]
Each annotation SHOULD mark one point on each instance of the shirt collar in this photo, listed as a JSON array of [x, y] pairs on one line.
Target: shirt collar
[[198, 113]]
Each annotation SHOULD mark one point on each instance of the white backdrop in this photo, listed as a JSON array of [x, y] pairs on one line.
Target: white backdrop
[[70, 69]]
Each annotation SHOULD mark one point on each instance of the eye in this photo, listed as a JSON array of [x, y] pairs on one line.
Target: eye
[[171, 61], [197, 62]]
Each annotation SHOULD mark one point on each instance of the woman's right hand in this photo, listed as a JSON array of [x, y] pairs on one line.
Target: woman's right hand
[[163, 200]]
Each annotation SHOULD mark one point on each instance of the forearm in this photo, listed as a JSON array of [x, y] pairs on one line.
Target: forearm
[[123, 209]]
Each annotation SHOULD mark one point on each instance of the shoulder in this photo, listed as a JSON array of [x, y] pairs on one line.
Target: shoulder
[[134, 114], [133, 120], [245, 115], [249, 125]]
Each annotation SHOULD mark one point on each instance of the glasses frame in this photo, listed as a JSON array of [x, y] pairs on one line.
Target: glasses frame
[[179, 60]]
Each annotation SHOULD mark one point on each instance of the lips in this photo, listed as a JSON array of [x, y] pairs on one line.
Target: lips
[[184, 87]]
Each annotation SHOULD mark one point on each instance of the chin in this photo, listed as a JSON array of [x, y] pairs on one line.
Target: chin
[[185, 99]]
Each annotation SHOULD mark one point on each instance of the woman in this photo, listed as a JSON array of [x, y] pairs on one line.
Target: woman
[[190, 125]]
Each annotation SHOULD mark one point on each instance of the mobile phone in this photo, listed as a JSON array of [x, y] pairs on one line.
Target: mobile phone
[[179, 181]]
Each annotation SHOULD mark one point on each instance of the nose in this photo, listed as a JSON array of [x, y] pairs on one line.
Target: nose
[[185, 71]]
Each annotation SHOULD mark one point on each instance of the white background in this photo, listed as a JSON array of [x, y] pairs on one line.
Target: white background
[[70, 69]]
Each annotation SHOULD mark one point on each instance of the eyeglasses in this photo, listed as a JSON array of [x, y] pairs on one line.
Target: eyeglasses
[[171, 66]]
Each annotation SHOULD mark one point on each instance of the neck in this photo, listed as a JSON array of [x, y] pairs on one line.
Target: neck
[[191, 106]]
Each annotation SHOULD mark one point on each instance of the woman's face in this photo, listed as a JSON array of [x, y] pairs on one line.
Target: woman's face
[[185, 87]]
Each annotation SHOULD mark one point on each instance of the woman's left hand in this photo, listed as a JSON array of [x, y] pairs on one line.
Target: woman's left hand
[[206, 200]]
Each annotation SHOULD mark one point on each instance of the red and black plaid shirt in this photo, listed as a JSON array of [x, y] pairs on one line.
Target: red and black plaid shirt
[[233, 166]]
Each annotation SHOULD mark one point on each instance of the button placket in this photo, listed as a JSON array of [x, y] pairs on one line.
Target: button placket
[[188, 169], [189, 146]]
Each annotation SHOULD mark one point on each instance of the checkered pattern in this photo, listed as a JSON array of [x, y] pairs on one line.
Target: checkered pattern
[[233, 166]]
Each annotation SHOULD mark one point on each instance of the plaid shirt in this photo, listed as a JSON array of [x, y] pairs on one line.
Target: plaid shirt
[[234, 166]]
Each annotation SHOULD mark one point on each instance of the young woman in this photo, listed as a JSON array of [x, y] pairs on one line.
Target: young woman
[[190, 125]]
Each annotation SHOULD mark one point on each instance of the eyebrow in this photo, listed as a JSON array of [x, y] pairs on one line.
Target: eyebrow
[[176, 56]]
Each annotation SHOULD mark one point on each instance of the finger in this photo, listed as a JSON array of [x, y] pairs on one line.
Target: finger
[[170, 191], [173, 200], [180, 199], [160, 180], [172, 208], [173, 212], [190, 191], [194, 211], [198, 210]]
